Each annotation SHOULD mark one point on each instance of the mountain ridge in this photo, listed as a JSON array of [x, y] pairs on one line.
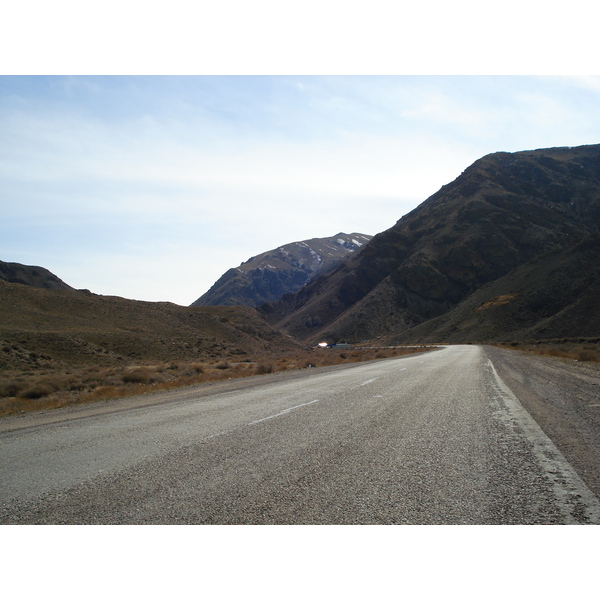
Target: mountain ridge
[[40, 327], [31, 275], [502, 211], [269, 275], [507, 249]]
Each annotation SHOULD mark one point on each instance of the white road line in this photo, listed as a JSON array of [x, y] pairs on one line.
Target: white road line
[[214, 435], [566, 482], [283, 412], [368, 381]]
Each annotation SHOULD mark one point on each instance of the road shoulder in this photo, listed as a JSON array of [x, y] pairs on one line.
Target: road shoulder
[[563, 396]]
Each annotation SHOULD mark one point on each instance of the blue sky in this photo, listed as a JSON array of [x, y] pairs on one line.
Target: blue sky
[[151, 187]]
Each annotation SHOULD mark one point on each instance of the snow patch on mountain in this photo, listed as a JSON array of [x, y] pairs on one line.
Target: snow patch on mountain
[[268, 276]]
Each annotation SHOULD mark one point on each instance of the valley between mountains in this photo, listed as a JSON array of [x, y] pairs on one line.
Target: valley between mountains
[[507, 253], [496, 276]]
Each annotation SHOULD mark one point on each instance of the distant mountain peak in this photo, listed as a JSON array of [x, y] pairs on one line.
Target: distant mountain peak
[[268, 276]]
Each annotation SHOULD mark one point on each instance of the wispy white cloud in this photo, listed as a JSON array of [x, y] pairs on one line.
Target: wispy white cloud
[[106, 177]]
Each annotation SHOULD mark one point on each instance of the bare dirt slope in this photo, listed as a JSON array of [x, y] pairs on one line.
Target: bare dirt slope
[[41, 327], [30, 275]]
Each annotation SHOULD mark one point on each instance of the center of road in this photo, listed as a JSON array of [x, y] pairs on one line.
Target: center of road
[[283, 412]]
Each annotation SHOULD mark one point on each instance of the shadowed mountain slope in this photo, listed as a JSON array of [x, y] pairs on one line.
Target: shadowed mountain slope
[[556, 295], [503, 211], [270, 275], [34, 276]]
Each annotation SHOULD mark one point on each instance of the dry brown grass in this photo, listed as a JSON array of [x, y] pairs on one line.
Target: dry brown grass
[[577, 349], [31, 390], [499, 301]]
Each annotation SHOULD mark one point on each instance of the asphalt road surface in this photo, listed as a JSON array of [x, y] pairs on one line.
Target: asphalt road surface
[[434, 438]]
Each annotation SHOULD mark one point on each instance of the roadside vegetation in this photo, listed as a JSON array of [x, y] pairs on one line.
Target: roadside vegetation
[[42, 387], [578, 349]]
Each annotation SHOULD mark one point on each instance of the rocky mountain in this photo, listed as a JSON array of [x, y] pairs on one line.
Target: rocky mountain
[[270, 275], [550, 297], [504, 212], [33, 276]]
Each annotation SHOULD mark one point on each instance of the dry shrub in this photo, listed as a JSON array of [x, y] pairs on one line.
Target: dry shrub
[[40, 387], [35, 391], [553, 352], [587, 354], [263, 368], [105, 392], [568, 350], [188, 372], [138, 376], [222, 366], [11, 388], [22, 405], [75, 384]]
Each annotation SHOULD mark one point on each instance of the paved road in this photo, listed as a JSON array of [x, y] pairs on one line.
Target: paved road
[[432, 438]]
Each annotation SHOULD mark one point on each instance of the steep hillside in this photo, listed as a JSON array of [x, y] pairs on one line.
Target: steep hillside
[[552, 296], [40, 327], [270, 275], [501, 212], [34, 276]]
